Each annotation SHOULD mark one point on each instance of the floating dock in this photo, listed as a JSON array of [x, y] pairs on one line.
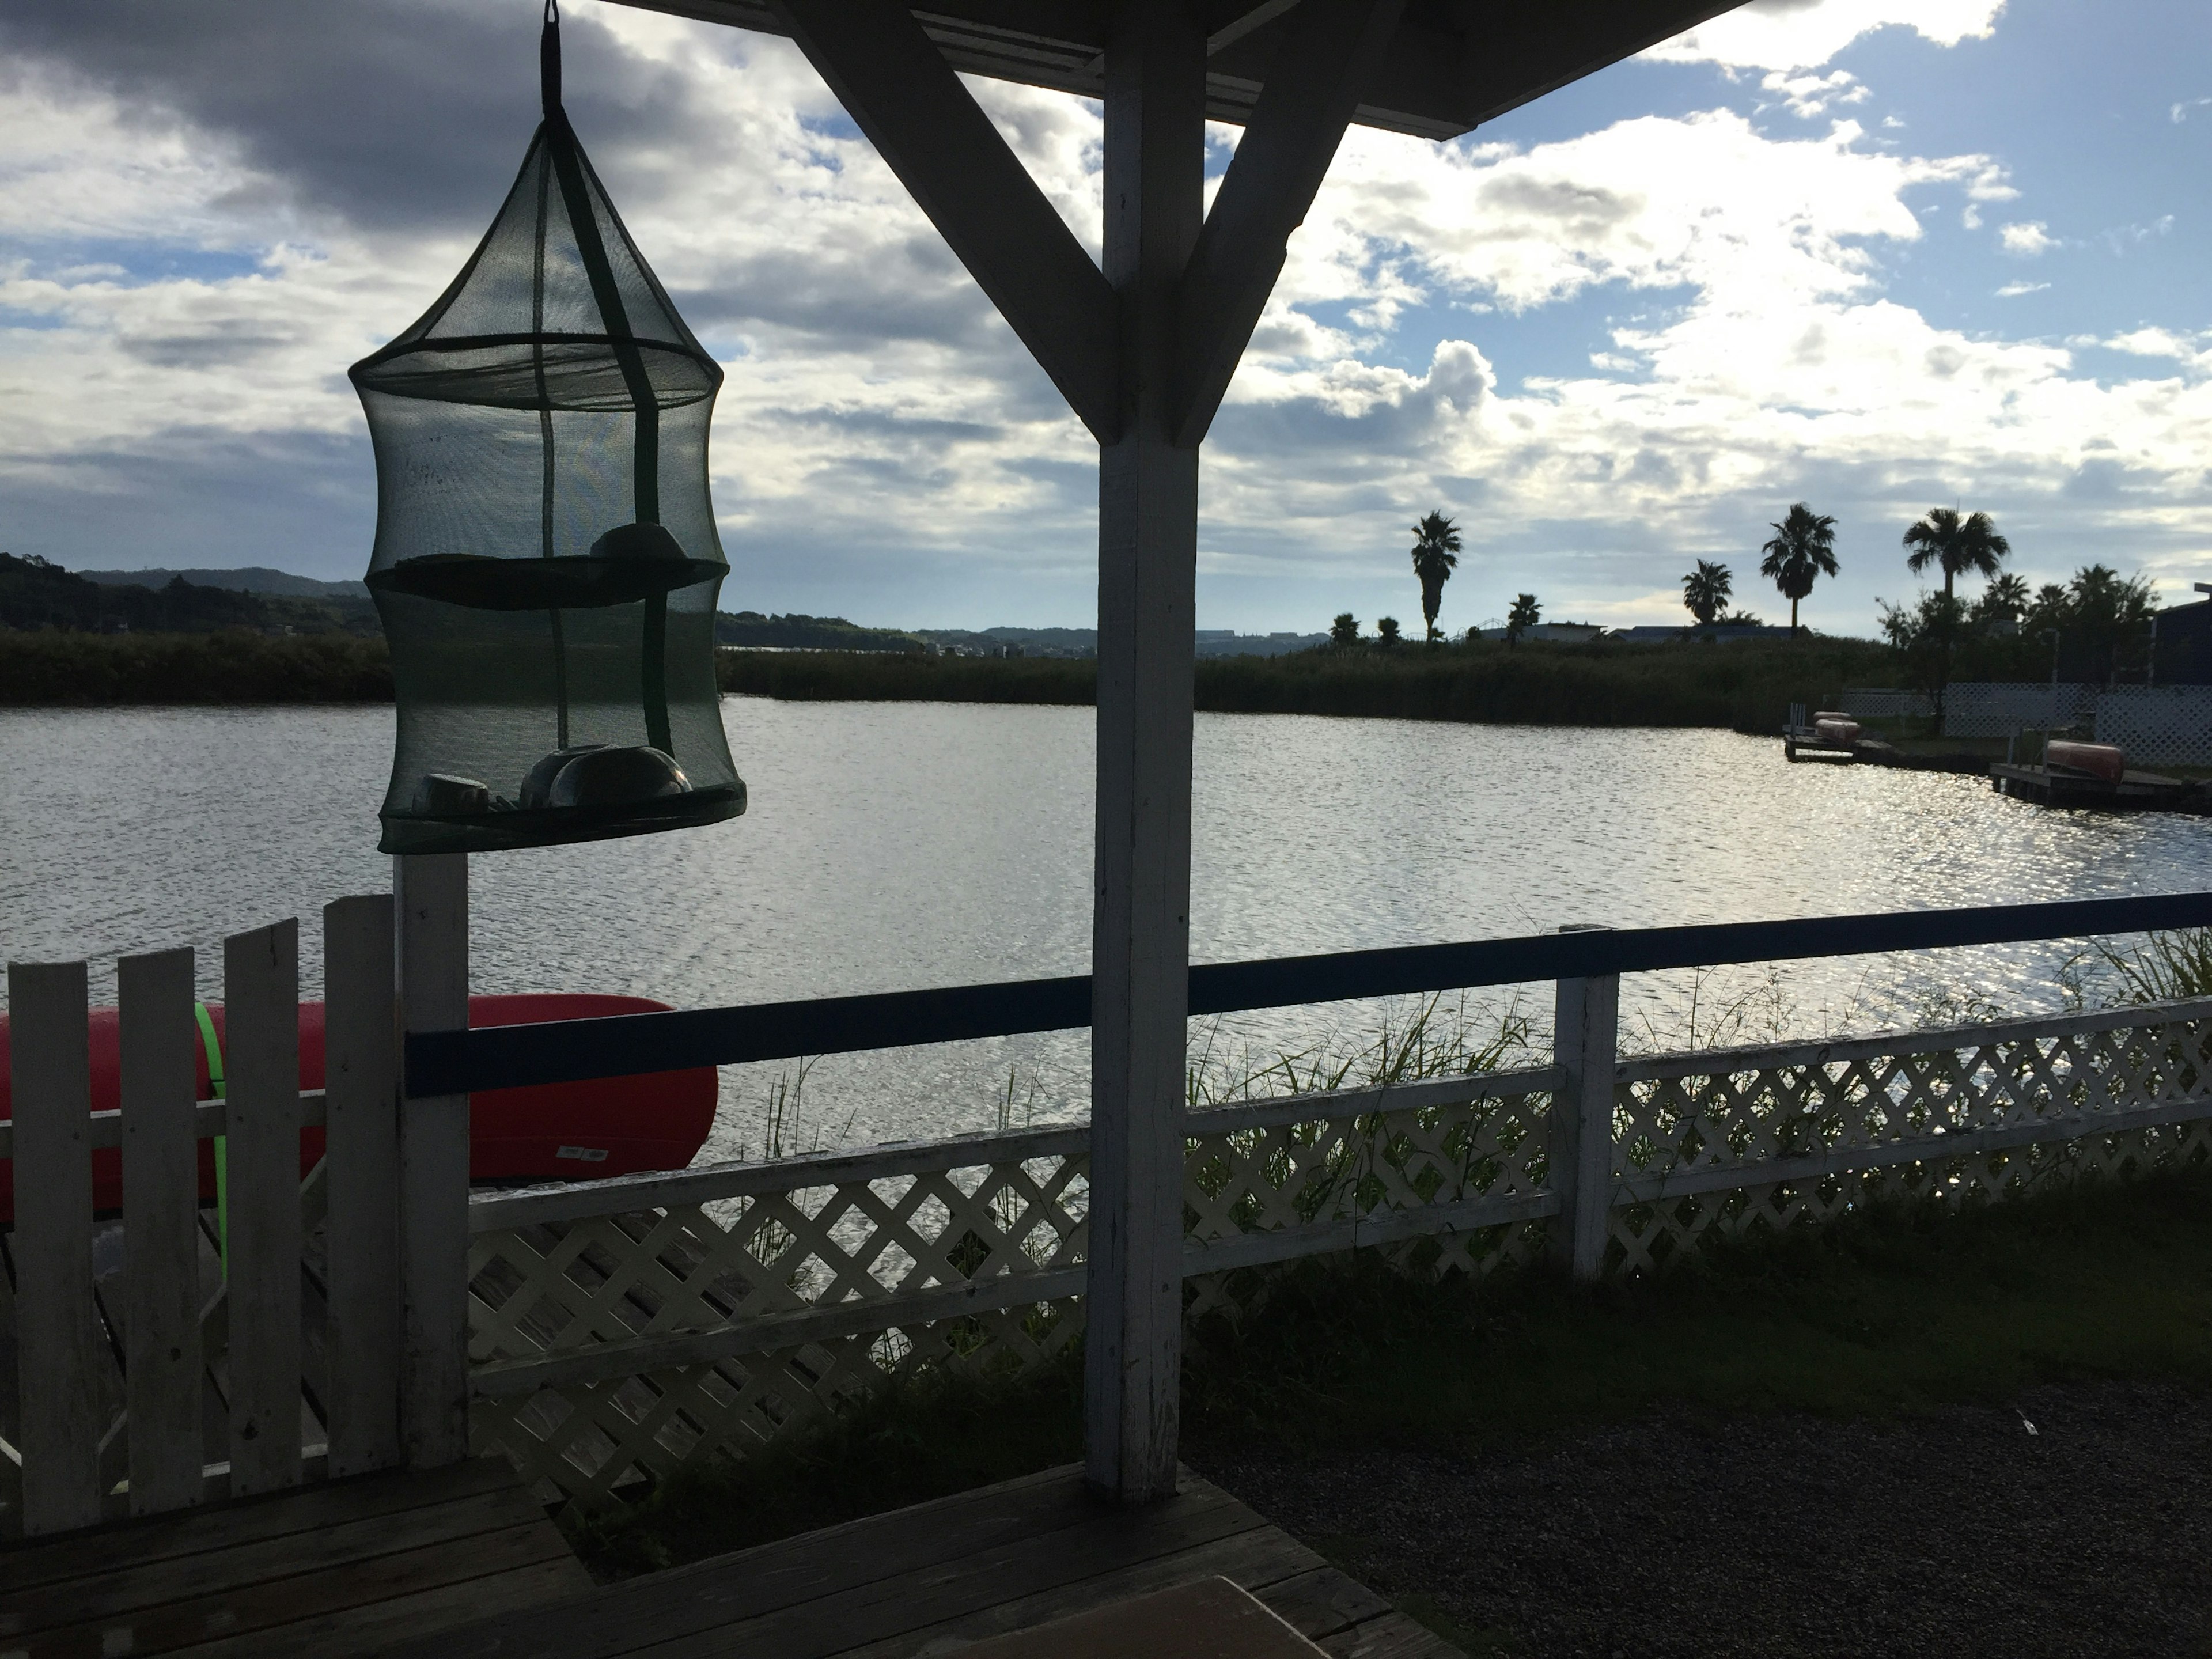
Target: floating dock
[[2136, 791]]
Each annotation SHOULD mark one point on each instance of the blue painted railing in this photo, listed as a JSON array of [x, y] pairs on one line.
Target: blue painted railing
[[622, 1045]]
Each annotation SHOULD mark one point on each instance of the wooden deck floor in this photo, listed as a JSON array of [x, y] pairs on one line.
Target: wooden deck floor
[[933, 1578], [351, 1567]]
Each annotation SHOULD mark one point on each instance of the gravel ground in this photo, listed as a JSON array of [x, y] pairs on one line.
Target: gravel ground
[[1957, 1533]]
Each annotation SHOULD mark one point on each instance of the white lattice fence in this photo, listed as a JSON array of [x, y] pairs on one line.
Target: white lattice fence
[[1748, 1137], [1880, 702], [1440, 1179], [2161, 725], [1974, 708], [621, 1329]]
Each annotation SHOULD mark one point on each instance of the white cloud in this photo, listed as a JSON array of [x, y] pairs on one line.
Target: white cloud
[[1807, 95], [2027, 240], [2014, 290], [1788, 35], [2179, 113]]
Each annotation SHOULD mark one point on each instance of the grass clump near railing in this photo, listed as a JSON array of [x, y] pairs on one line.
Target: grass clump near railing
[[56, 669], [1747, 686], [1900, 1309]]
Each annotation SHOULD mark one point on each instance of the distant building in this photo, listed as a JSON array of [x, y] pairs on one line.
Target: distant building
[[1553, 632]]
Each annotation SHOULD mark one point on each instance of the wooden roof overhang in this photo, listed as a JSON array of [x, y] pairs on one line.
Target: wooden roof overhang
[[1449, 66]]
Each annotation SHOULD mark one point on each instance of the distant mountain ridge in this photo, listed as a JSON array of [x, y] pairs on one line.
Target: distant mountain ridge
[[36, 595], [249, 579]]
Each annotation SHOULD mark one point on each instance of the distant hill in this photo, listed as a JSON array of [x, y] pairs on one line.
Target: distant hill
[[253, 578], [37, 595], [799, 632], [1084, 641]]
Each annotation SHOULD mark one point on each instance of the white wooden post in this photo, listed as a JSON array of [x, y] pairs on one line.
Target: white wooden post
[[361, 1103], [430, 908], [159, 1039], [1141, 949], [261, 1122], [57, 1337], [1585, 1042]]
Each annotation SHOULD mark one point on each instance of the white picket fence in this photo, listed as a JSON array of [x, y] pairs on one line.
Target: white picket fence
[[178, 1373]]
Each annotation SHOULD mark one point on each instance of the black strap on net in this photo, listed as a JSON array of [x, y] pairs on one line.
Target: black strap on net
[[562, 149]]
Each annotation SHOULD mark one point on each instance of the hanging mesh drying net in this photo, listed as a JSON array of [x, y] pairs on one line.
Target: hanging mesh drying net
[[546, 564]]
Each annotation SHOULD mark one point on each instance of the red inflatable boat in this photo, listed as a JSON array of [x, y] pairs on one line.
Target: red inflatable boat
[[558, 1131]]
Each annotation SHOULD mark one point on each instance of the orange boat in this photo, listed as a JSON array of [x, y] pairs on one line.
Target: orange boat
[[554, 1132]]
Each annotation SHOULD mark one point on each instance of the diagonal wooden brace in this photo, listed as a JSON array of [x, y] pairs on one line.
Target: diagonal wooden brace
[[899, 90], [1329, 54]]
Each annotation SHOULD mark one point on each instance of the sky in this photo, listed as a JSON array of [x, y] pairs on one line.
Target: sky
[[1873, 255]]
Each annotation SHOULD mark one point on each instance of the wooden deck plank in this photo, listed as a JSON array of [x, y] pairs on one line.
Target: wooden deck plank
[[317, 1595], [370, 1631], [1322, 1602], [1393, 1636], [126, 1589], [46, 1561], [831, 1562], [1251, 1560], [1113, 1541]]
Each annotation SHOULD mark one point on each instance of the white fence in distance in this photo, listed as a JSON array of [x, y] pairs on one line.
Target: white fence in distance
[[1974, 708], [2158, 725], [2155, 725]]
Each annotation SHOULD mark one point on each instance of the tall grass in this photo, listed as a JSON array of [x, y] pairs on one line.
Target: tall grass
[[1748, 686], [53, 669]]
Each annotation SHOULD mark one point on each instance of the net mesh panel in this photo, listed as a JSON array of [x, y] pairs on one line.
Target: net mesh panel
[[546, 564]]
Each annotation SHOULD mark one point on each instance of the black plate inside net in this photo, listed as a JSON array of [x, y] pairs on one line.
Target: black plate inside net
[[563, 584]]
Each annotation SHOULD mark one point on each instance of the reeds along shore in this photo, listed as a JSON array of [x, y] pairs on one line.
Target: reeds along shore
[[55, 669], [1748, 686]]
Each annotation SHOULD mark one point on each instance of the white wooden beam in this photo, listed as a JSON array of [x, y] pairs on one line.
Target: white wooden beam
[[1141, 949], [899, 90], [361, 1071], [1329, 53], [430, 908]]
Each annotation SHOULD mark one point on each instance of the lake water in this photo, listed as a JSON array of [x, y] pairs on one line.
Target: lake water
[[897, 845]]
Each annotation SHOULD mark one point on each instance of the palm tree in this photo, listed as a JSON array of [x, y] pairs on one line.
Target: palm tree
[[1522, 617], [1386, 630], [1804, 547], [1345, 630], [1706, 590], [1435, 556], [1959, 546]]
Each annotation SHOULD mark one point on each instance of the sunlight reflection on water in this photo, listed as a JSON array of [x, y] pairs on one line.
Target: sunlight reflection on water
[[893, 845]]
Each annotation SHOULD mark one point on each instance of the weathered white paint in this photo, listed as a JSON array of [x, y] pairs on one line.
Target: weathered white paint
[[158, 1040], [430, 908], [57, 1330], [1585, 1039], [361, 1105], [1140, 939], [261, 1055]]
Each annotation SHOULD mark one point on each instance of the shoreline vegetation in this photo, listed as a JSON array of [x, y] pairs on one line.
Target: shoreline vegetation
[[1746, 686]]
